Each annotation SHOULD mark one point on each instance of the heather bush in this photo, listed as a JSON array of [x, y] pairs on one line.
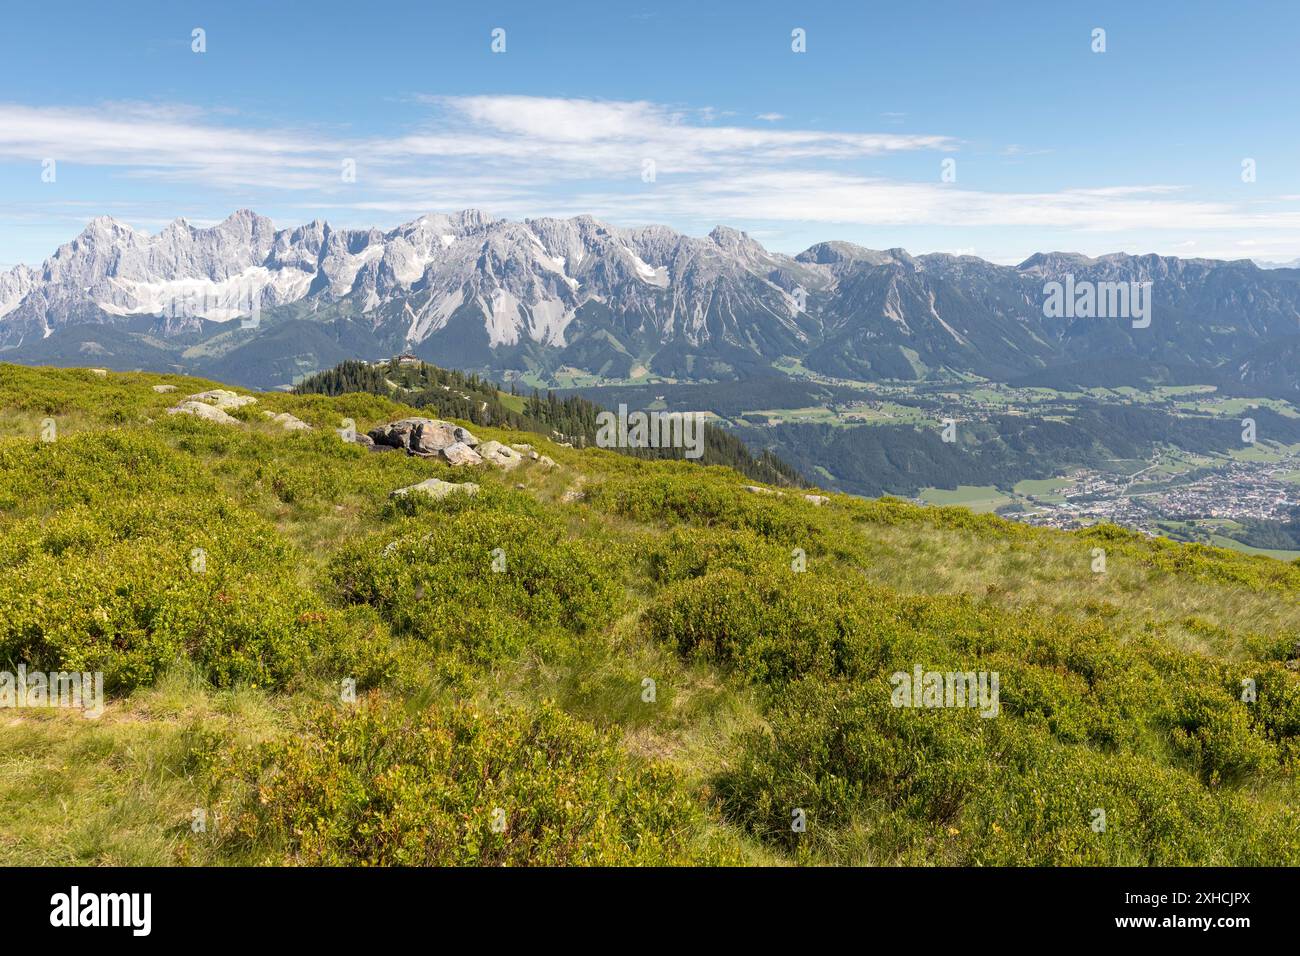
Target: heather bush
[[132, 588], [689, 553], [489, 583], [899, 785], [383, 785]]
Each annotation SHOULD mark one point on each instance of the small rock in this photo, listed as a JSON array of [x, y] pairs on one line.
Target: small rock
[[816, 499], [755, 489], [572, 495], [503, 456], [202, 410], [521, 446], [459, 453], [222, 398], [101, 372], [437, 488], [163, 389], [546, 462], [291, 423]]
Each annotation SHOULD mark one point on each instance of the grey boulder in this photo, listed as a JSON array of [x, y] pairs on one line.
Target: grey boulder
[[202, 410], [436, 488], [503, 456], [458, 453], [422, 436]]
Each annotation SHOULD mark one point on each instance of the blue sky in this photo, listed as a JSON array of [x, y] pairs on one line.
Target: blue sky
[[1054, 146]]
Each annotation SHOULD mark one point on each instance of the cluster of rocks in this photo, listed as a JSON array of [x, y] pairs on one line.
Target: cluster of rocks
[[760, 490], [446, 441], [532, 454], [427, 438], [214, 405], [421, 437]]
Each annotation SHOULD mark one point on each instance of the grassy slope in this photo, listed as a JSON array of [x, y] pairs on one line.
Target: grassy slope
[[1119, 690]]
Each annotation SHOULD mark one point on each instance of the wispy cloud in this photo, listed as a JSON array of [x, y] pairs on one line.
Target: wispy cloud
[[624, 160], [177, 141], [591, 138], [553, 138], [830, 197]]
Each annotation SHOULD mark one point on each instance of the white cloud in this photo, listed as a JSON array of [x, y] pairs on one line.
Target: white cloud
[[831, 197], [528, 155], [174, 140], [578, 138]]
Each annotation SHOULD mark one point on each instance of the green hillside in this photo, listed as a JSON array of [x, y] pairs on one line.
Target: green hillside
[[611, 661]]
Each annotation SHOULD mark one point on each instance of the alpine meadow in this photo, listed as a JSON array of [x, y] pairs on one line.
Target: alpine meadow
[[594, 658]]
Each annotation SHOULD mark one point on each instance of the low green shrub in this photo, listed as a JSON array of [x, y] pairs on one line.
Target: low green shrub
[[769, 629], [485, 578], [689, 553], [882, 784], [119, 555], [1214, 732], [379, 785], [128, 590]]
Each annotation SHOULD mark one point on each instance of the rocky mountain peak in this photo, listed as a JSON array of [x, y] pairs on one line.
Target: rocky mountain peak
[[477, 291]]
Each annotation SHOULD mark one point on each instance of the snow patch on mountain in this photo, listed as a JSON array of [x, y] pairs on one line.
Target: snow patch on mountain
[[14, 286]]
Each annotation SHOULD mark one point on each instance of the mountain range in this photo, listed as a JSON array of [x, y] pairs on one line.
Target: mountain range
[[249, 303]]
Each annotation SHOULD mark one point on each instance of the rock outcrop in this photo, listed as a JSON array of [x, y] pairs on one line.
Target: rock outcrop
[[427, 437], [449, 442]]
